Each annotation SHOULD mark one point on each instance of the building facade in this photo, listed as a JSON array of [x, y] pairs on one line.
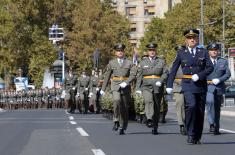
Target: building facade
[[140, 13]]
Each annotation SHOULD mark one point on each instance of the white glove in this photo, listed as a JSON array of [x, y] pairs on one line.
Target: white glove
[[62, 95], [159, 84], [90, 94], [86, 88], [138, 92], [169, 90], [97, 89], [77, 95], [215, 81], [102, 93], [123, 84], [74, 88], [195, 78]]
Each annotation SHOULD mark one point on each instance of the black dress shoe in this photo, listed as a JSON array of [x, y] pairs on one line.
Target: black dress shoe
[[121, 131], [154, 131], [71, 111], [212, 128], [149, 123], [163, 120], [216, 132], [197, 142], [116, 126], [182, 130], [191, 140]]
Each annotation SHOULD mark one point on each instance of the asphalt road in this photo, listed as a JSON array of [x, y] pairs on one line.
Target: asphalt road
[[55, 132]]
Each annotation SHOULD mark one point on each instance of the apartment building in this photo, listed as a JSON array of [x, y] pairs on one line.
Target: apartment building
[[140, 13]]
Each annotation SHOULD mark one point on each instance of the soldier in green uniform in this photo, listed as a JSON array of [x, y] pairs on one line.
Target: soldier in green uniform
[[121, 72], [179, 97], [164, 104], [94, 94], [83, 91], [69, 91], [152, 72]]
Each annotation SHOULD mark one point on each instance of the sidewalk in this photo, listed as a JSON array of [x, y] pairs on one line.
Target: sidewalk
[[228, 111]]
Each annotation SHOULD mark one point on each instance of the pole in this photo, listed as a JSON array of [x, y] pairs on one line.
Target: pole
[[63, 68], [223, 35], [202, 23]]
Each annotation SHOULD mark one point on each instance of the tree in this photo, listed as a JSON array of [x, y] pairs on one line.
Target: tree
[[187, 15], [95, 25]]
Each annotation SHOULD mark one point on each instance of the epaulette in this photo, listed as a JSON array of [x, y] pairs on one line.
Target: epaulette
[[200, 47], [220, 57]]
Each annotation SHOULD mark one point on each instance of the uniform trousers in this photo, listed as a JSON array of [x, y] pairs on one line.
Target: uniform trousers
[[213, 104], [180, 112], [152, 106], [194, 113], [120, 108]]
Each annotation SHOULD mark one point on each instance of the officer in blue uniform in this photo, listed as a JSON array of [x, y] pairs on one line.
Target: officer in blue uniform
[[216, 87], [196, 65]]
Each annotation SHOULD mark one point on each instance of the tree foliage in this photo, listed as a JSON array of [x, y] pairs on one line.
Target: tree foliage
[[24, 33], [168, 32], [95, 25]]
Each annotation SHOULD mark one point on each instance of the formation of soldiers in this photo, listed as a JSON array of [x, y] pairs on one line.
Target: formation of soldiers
[[32, 99], [195, 75], [198, 75]]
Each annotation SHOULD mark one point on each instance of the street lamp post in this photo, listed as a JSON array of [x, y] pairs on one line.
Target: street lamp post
[[223, 35], [202, 24], [56, 35]]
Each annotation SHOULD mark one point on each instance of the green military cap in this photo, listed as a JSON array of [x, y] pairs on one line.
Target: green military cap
[[151, 46], [191, 33], [119, 47]]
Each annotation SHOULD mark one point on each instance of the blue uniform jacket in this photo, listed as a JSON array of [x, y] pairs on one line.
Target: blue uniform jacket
[[221, 71], [200, 64]]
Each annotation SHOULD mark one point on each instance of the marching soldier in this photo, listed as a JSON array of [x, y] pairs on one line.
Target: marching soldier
[[121, 72], [179, 97], [216, 87], [95, 91], [196, 65], [164, 104], [152, 72], [83, 91], [69, 91]]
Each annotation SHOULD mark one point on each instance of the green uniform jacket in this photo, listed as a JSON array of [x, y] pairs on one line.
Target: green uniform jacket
[[83, 84], [127, 71], [70, 83], [146, 68]]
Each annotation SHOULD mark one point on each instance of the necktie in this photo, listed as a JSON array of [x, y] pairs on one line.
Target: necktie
[[192, 52], [214, 62]]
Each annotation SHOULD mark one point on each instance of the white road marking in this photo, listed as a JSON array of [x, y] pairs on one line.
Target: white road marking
[[82, 132], [66, 112], [98, 152], [73, 122], [229, 131], [71, 118]]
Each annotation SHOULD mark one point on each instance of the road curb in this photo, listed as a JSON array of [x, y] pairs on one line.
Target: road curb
[[228, 113], [2, 110]]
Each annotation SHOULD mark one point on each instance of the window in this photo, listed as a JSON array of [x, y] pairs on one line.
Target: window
[[149, 10], [131, 11], [133, 27]]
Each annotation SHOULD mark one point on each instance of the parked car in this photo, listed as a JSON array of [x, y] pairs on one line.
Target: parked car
[[230, 92]]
